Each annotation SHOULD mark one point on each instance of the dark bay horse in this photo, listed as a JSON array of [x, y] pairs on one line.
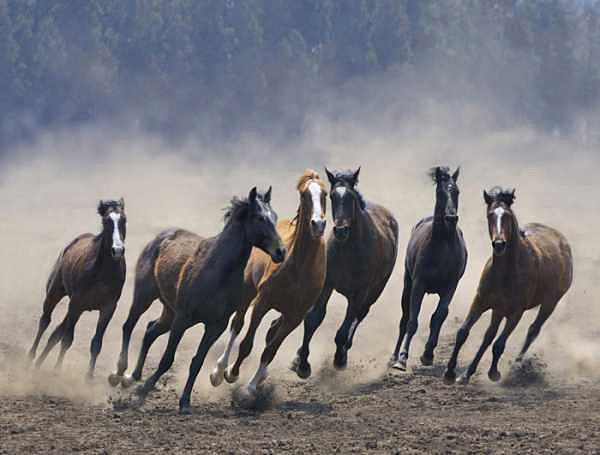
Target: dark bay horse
[[361, 255], [291, 287], [198, 280], [528, 268], [436, 258], [91, 271]]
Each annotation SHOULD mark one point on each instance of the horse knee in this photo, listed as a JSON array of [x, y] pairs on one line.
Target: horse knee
[[412, 327]]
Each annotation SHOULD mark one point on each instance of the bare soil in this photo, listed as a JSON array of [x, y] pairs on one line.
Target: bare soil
[[333, 412]]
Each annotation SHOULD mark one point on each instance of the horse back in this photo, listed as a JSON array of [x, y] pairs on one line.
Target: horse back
[[166, 256], [555, 259]]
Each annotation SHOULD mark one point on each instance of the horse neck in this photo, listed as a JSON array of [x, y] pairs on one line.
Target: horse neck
[[232, 249], [360, 225], [303, 243], [441, 231]]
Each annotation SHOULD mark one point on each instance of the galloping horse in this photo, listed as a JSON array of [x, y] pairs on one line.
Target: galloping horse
[[291, 287], [436, 258], [198, 280], [361, 255], [530, 267], [91, 271]]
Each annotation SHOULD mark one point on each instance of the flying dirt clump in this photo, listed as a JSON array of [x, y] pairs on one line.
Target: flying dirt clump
[[529, 372], [265, 398]]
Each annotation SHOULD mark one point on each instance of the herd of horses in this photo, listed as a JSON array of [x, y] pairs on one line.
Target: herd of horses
[[290, 266]]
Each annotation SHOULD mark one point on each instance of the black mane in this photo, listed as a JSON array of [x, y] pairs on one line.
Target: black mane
[[238, 205], [439, 173], [502, 194], [104, 205]]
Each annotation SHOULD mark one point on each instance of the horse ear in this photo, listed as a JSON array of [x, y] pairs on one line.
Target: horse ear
[[487, 198], [101, 208], [512, 197], [355, 176], [122, 203], [330, 176], [252, 196], [456, 174], [267, 197]]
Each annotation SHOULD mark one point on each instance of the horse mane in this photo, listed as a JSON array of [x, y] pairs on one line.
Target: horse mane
[[107, 204], [308, 175], [503, 195], [236, 207], [346, 178], [439, 173]]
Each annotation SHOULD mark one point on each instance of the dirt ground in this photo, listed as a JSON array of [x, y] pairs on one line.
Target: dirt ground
[[332, 412]]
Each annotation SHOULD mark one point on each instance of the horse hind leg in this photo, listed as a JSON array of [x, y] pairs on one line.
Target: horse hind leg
[[500, 343], [154, 330], [143, 296], [68, 332], [416, 299], [54, 295], [535, 327]]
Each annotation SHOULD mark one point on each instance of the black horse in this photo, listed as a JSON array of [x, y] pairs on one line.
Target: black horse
[[361, 255], [435, 262], [207, 285]]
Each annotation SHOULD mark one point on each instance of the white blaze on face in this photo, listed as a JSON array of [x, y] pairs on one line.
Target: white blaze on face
[[499, 212], [117, 241], [315, 192]]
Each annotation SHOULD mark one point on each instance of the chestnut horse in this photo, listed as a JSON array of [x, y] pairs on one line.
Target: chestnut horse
[[361, 255], [91, 271], [291, 288], [436, 258], [197, 280], [529, 267]]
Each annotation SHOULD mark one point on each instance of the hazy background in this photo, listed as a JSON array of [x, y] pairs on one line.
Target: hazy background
[[177, 106]]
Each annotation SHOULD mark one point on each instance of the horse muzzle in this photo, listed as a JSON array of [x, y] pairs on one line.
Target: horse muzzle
[[279, 255], [341, 232], [317, 227], [117, 252], [451, 220], [499, 247]]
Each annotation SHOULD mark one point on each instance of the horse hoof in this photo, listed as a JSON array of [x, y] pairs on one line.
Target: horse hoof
[[340, 361], [302, 373], [494, 375], [114, 379], [399, 364], [229, 377], [449, 378], [127, 381], [216, 377], [185, 409], [426, 361], [463, 379]]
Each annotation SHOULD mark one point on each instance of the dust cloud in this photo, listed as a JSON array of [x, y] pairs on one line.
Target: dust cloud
[[49, 192]]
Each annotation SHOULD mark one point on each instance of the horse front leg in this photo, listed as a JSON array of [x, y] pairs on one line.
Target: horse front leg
[[106, 314], [416, 299], [500, 344], [211, 334], [435, 326], [477, 309], [300, 365]]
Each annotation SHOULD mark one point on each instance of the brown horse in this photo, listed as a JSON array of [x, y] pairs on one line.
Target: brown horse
[[197, 280], [530, 267], [91, 271], [291, 288]]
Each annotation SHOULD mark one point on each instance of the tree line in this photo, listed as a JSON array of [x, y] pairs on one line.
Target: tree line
[[218, 66]]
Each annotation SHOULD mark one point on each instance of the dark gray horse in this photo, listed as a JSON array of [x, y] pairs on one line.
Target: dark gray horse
[[435, 262], [91, 271], [197, 280], [361, 255]]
